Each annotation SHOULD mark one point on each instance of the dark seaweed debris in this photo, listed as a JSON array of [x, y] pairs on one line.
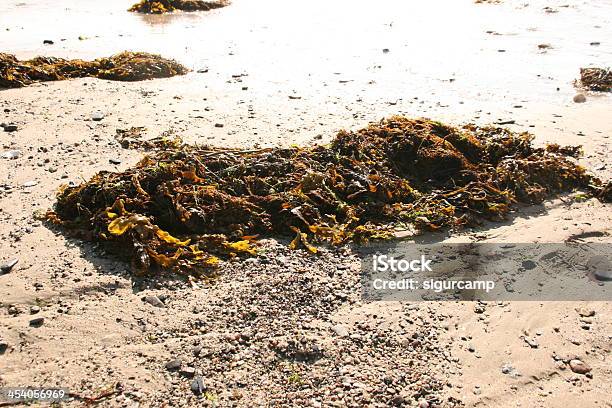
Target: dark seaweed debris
[[126, 66], [167, 6], [596, 79], [180, 208]]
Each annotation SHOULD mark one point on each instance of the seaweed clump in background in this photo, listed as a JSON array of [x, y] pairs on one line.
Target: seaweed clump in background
[[182, 207], [167, 6], [125, 66], [596, 79]]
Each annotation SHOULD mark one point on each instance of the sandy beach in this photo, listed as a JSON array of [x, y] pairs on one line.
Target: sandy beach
[[287, 328]]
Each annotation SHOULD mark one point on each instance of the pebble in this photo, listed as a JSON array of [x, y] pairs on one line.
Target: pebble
[[97, 116], [34, 309], [603, 275], [114, 161], [197, 386], [11, 154], [37, 322], [173, 365], [218, 125], [10, 128], [528, 264], [3, 347], [153, 301], [532, 342], [340, 330], [188, 372], [579, 367], [579, 98], [600, 266], [48, 42], [8, 266], [585, 312]]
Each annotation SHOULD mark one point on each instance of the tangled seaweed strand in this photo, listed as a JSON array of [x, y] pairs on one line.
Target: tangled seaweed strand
[[167, 6], [181, 207], [126, 66], [596, 79]]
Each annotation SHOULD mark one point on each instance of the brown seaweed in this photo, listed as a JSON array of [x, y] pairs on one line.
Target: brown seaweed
[[596, 79], [168, 6], [181, 208], [125, 66]]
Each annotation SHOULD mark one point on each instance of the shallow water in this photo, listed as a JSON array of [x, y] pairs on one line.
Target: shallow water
[[442, 55]]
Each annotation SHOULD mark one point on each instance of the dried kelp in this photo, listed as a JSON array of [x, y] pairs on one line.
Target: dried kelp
[[126, 66], [596, 79], [132, 139], [180, 208], [167, 6]]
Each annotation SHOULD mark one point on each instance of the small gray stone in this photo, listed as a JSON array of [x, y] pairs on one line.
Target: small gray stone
[[34, 309], [3, 347], [11, 154], [173, 365], [97, 116], [153, 301], [37, 322], [8, 266], [197, 386], [528, 264], [600, 266], [10, 128], [114, 161]]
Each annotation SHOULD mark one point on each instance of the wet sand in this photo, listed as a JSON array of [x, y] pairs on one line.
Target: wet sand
[[441, 63]]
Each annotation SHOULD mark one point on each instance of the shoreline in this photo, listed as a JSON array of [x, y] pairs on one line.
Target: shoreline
[[287, 329]]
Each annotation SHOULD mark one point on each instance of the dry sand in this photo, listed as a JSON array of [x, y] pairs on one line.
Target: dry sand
[[238, 331]]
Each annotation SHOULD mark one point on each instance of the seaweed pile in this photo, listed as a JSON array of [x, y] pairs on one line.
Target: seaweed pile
[[596, 79], [126, 66], [167, 6], [181, 208]]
